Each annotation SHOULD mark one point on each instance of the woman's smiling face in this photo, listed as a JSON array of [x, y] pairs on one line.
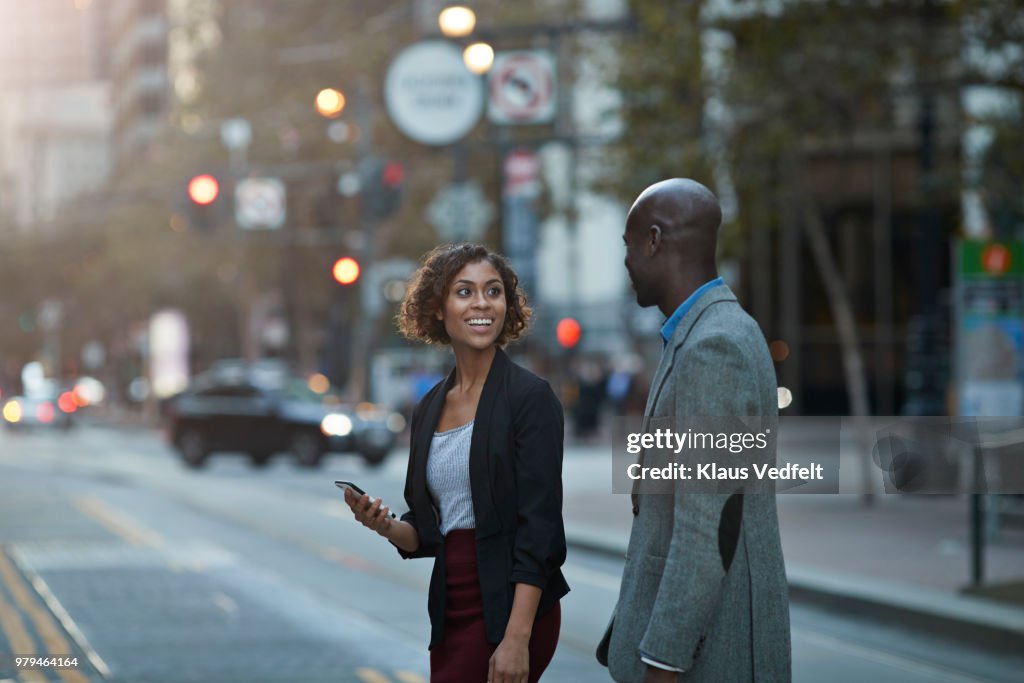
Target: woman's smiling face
[[474, 306]]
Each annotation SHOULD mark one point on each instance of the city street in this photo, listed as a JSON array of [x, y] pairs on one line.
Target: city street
[[115, 553]]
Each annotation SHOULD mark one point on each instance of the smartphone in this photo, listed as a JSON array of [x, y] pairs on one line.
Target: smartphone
[[356, 490]]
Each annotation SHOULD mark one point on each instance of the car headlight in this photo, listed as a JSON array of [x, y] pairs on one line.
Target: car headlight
[[336, 424]]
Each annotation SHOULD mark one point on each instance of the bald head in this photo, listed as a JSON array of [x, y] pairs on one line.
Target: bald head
[[671, 236], [687, 213]]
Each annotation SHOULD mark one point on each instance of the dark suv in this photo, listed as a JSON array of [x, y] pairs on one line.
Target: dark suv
[[243, 412]]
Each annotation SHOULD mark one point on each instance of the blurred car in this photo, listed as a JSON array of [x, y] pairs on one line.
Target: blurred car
[[40, 410], [258, 412]]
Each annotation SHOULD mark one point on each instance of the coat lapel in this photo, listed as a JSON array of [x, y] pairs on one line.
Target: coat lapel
[[668, 356], [423, 436], [479, 458]]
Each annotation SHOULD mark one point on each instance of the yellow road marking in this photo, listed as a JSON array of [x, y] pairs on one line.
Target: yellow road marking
[[46, 627], [18, 638], [409, 677], [117, 522], [371, 676]]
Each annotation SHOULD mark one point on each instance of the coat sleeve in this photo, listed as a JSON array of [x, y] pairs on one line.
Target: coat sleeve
[[424, 549], [538, 426], [706, 526]]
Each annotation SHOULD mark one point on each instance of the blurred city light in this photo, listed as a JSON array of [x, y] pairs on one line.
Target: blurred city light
[[392, 174], [478, 57], [12, 411], [45, 412], [329, 103], [456, 21], [779, 350], [319, 384], [336, 424], [346, 270], [568, 332], [66, 402], [785, 397], [338, 131], [203, 189], [89, 391], [349, 184]]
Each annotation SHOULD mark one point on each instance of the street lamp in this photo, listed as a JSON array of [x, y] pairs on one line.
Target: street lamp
[[456, 21], [329, 103], [478, 58]]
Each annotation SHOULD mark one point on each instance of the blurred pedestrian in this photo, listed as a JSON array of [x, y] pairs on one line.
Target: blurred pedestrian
[[703, 594], [590, 382], [484, 483]]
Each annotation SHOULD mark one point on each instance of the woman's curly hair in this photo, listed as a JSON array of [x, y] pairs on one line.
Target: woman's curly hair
[[428, 288]]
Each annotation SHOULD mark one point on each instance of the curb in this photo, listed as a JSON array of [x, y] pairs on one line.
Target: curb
[[984, 624]]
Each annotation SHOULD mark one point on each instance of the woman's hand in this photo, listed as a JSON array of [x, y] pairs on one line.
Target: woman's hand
[[371, 514], [510, 663]]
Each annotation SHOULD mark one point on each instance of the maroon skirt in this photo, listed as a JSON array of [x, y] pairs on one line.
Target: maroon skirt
[[464, 654]]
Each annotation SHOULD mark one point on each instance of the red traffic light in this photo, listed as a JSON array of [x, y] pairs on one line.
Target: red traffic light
[[346, 270], [203, 189], [392, 174], [568, 332]]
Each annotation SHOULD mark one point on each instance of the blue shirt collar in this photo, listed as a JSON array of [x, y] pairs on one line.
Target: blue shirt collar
[[669, 328]]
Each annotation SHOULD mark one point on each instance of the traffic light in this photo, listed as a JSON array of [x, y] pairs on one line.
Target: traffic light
[[568, 333], [382, 185], [204, 203], [345, 270]]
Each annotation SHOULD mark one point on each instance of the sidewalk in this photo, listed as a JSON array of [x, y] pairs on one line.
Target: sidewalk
[[906, 558]]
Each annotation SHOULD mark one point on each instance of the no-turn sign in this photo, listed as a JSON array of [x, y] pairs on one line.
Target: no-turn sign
[[522, 88]]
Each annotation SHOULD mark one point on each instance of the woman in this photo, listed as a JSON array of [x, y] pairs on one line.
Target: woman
[[484, 484]]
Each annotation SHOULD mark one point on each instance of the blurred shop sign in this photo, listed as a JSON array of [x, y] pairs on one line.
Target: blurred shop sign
[[522, 88], [519, 216], [430, 94], [260, 204], [522, 174], [989, 300], [460, 212]]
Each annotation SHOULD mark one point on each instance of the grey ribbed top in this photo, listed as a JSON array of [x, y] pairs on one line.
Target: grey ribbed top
[[448, 477]]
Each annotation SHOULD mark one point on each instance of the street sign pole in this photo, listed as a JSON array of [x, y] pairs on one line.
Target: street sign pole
[[366, 329]]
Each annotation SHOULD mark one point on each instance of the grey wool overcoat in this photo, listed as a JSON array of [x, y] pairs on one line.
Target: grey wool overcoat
[[704, 587]]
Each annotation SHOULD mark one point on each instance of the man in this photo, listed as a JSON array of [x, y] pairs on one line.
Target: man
[[703, 595]]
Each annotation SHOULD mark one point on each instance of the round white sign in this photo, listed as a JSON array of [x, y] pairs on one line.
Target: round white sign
[[430, 94]]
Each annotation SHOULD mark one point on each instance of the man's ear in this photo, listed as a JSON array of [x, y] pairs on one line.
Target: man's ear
[[654, 238]]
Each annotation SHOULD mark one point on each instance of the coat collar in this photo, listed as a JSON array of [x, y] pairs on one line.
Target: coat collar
[[682, 331]]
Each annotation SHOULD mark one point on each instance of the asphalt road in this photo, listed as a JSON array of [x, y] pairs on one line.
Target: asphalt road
[[115, 554]]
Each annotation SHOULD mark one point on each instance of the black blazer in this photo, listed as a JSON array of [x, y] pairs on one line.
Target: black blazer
[[515, 477]]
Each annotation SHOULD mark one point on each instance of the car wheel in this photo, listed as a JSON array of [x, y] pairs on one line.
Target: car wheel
[[375, 457], [260, 458], [306, 448], [194, 448]]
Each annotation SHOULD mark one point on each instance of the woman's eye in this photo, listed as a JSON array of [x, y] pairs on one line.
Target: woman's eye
[[462, 291], [494, 291]]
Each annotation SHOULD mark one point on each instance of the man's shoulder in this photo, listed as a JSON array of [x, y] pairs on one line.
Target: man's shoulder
[[725, 320]]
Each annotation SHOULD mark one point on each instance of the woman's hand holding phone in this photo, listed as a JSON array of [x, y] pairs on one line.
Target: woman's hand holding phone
[[372, 514]]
